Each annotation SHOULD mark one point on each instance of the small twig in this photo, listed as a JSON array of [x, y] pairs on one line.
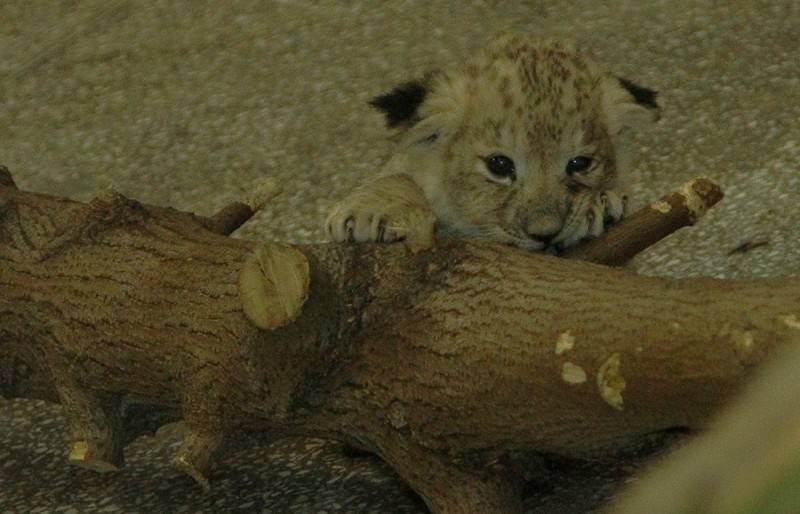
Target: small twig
[[747, 246], [231, 217], [235, 214], [650, 224]]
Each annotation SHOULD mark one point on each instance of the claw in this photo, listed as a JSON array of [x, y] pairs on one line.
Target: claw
[[390, 209]]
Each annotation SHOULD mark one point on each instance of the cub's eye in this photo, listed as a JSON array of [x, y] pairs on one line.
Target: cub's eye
[[500, 166], [578, 164]]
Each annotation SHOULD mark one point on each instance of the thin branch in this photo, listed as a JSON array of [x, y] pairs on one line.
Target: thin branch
[[650, 224], [226, 220]]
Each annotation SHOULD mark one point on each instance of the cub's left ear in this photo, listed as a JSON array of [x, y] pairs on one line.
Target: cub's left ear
[[628, 105]]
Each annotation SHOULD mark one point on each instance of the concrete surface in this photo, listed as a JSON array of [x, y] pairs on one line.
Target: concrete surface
[[190, 103]]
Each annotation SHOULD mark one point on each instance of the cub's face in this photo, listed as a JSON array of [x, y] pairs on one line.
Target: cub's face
[[517, 145]]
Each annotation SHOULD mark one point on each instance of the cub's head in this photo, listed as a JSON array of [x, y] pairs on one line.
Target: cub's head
[[509, 145]]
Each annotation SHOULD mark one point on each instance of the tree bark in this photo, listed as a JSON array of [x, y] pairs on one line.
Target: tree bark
[[441, 362]]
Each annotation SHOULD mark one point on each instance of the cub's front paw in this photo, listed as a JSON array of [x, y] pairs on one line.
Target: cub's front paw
[[392, 208], [361, 224], [591, 216], [614, 206], [400, 221]]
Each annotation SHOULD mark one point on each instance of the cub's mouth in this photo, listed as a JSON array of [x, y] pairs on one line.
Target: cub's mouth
[[531, 243], [588, 218], [574, 230]]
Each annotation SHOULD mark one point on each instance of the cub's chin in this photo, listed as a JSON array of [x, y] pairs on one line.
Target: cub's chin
[[524, 243], [531, 245], [498, 235]]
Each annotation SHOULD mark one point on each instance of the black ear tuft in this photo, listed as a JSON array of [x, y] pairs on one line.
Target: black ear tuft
[[643, 96], [400, 105]]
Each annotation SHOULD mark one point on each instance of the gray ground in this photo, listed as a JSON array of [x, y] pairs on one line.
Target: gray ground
[[190, 103]]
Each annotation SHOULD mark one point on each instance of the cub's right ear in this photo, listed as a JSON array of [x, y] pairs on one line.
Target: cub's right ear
[[627, 104], [401, 104]]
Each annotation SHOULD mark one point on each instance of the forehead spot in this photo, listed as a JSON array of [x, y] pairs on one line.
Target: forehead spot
[[504, 84]]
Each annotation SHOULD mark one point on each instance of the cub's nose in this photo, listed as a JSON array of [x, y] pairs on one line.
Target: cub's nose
[[542, 227]]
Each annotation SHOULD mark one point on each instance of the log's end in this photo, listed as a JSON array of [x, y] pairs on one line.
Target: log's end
[[261, 194], [700, 195], [273, 285]]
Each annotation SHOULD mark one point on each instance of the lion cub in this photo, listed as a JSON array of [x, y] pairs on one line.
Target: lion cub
[[517, 145]]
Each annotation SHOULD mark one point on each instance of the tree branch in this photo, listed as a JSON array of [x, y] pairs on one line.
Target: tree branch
[[650, 224], [235, 214], [452, 357]]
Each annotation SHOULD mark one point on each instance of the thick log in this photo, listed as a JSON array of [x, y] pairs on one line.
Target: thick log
[[441, 362]]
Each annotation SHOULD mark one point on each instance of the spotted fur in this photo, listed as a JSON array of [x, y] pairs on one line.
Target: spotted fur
[[540, 102]]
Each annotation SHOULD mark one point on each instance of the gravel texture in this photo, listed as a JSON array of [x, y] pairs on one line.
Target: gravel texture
[[191, 103]]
